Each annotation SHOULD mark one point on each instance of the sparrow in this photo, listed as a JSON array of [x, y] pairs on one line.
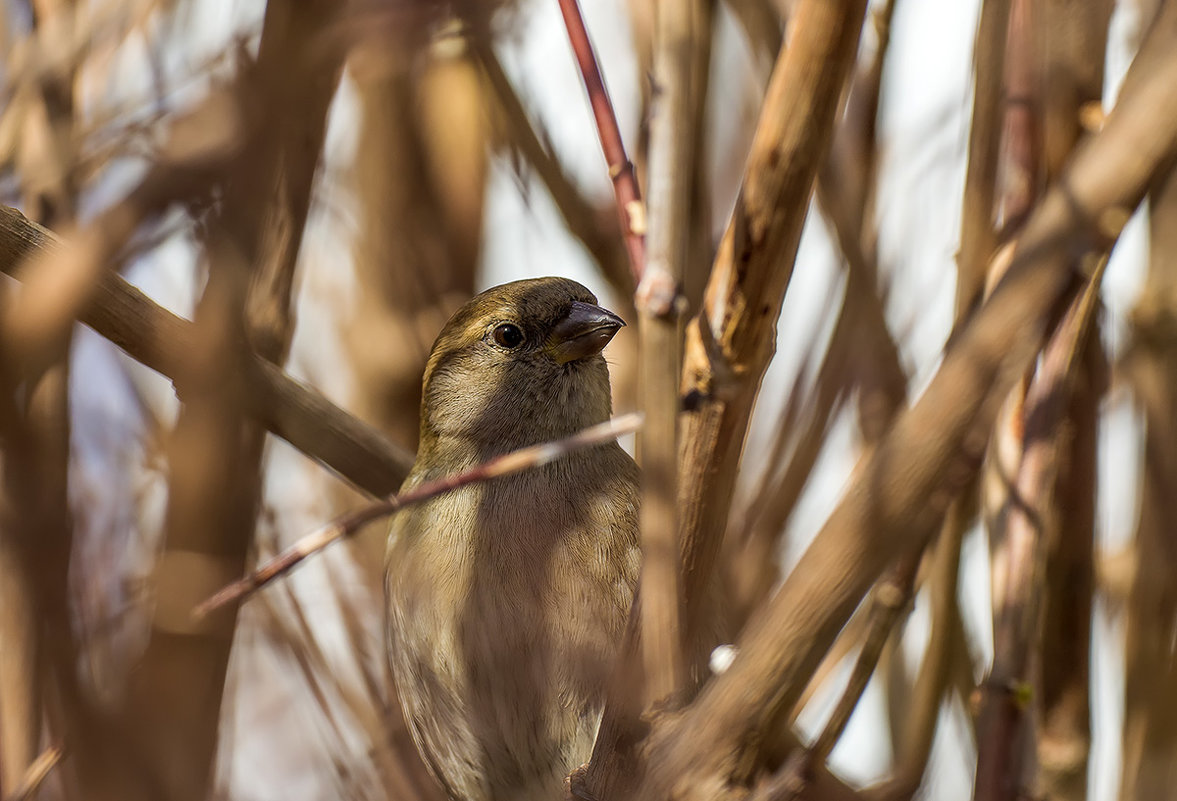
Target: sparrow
[[507, 600]]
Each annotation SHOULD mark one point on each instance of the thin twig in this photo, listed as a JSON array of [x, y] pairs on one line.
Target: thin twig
[[846, 181], [918, 726], [892, 596], [350, 523], [42, 766], [625, 182]]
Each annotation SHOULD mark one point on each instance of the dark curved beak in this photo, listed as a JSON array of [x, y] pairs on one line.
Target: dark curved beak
[[584, 332]]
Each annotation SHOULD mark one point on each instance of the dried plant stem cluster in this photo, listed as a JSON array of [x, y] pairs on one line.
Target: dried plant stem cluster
[[1003, 435]]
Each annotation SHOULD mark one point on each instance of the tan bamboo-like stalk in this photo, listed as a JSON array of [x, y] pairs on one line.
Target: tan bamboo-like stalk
[[1020, 174], [1018, 185], [42, 517], [861, 356], [1064, 646], [1042, 77], [671, 167], [729, 342], [20, 684]]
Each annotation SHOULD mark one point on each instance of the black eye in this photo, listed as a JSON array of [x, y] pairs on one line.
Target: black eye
[[507, 335]]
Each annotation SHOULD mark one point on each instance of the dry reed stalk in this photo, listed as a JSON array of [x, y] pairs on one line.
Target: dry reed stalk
[[901, 490], [621, 172]]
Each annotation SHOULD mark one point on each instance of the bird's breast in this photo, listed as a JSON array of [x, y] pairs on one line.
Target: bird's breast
[[511, 597]]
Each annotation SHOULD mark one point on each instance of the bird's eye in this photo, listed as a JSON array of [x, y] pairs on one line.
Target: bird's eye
[[507, 335]]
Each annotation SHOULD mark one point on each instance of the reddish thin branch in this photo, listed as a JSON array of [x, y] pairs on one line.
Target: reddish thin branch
[[350, 523], [625, 182], [594, 226]]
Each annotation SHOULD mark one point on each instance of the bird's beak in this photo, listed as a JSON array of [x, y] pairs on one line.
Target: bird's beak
[[584, 332]]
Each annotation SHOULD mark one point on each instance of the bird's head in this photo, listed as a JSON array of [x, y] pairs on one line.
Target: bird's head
[[518, 364]]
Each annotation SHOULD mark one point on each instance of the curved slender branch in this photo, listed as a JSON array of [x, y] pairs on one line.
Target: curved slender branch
[[350, 523]]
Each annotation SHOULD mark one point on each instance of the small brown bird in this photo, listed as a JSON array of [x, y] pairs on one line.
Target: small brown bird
[[507, 600]]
